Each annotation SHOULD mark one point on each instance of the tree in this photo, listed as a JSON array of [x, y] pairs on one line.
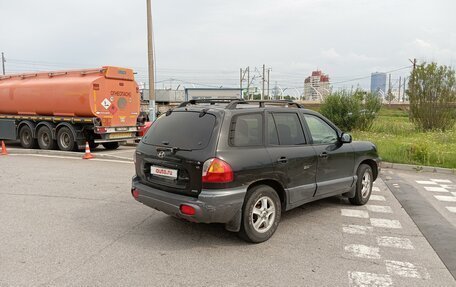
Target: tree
[[389, 97], [351, 111], [432, 94]]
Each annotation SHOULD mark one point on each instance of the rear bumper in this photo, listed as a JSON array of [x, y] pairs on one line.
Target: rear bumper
[[211, 206]]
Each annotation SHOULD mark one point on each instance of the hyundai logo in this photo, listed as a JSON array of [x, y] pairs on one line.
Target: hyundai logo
[[161, 154]]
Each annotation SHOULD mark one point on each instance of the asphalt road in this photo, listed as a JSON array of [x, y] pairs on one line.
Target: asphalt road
[[72, 222]]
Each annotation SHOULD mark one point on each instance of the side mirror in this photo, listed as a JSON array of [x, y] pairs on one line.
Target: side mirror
[[346, 138]]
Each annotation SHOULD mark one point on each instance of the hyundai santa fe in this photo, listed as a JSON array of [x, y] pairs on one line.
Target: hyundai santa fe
[[242, 163]]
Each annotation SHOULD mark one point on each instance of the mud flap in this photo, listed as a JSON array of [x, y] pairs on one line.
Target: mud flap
[[352, 192], [234, 225]]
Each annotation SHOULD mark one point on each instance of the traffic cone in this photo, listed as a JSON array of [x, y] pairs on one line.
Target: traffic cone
[[87, 154], [4, 152]]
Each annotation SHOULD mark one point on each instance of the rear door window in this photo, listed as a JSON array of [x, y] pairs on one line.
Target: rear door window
[[185, 130], [247, 130], [273, 138], [289, 129]]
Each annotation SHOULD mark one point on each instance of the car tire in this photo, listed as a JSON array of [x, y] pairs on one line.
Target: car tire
[[261, 214], [44, 137], [111, 145], [364, 184], [65, 139], [26, 137]]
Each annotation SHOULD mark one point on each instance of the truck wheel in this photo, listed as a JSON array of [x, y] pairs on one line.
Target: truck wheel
[[93, 145], [111, 145], [261, 213], [363, 185], [65, 139], [45, 140], [26, 137]]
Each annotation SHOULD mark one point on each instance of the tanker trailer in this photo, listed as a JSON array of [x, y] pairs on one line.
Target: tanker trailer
[[68, 108]]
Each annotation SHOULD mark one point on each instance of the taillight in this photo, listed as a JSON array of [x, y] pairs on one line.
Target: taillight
[[187, 209], [102, 130], [217, 171], [135, 193]]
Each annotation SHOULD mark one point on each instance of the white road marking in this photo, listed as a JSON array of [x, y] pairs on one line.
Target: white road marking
[[377, 197], [357, 229], [435, 188], [354, 213], [379, 208], [453, 193], [363, 251], [405, 269], [448, 186], [365, 279], [445, 198], [425, 182], [441, 180], [385, 223], [375, 188], [395, 242], [451, 209]]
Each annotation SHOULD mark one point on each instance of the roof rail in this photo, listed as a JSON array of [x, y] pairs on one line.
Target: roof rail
[[262, 103], [232, 103], [207, 101]]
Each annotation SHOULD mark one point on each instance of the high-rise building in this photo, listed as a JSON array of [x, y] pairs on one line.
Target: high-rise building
[[316, 86], [378, 83]]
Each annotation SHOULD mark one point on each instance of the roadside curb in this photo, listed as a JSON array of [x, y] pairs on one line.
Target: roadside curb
[[13, 151], [417, 168]]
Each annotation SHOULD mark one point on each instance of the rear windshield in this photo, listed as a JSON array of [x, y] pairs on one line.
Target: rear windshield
[[185, 130]]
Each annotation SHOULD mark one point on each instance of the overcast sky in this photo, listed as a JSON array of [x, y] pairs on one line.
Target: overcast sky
[[207, 41]]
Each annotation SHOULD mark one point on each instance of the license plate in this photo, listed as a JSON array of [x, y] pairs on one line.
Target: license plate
[[119, 135], [165, 172]]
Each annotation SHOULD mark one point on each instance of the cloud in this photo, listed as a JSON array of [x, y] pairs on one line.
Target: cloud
[[422, 44], [330, 54]]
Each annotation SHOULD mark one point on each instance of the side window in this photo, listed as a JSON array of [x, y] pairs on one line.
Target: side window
[[248, 130], [289, 129], [273, 138], [321, 132]]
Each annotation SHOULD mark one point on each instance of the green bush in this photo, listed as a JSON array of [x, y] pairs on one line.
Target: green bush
[[432, 94], [351, 111]]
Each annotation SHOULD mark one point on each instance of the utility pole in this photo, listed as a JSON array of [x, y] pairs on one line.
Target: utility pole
[[389, 83], [403, 92], [248, 83], [263, 79], [150, 54], [411, 80], [242, 79], [414, 63], [399, 90], [268, 83], [3, 63]]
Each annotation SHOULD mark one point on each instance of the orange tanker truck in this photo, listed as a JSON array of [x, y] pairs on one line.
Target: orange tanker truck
[[68, 108]]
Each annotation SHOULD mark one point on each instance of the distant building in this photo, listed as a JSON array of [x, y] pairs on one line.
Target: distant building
[[164, 95], [212, 93], [316, 86], [378, 83]]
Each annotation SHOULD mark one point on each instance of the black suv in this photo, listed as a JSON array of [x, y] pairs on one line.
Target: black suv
[[242, 163]]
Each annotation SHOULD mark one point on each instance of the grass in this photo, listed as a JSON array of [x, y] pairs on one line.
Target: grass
[[398, 141]]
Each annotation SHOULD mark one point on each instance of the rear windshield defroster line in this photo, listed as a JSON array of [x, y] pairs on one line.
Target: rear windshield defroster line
[[182, 129]]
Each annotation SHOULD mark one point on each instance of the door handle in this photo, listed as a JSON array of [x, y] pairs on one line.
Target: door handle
[[282, 159], [324, 155]]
